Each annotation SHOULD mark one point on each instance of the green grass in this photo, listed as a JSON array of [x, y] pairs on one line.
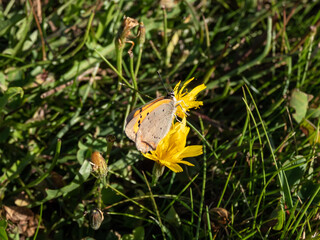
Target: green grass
[[65, 89]]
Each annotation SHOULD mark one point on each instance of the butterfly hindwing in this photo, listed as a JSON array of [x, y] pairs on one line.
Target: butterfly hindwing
[[147, 125], [155, 127], [132, 122]]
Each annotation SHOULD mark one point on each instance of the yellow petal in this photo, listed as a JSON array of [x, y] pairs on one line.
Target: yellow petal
[[192, 151], [194, 92], [187, 100], [150, 156], [175, 167], [176, 88], [185, 84], [186, 163]]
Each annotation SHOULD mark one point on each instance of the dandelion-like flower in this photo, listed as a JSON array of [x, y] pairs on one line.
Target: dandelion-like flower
[[187, 99], [172, 149]]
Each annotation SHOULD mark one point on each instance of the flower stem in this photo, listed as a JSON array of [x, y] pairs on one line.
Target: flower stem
[[165, 24], [138, 61], [119, 51], [204, 179], [134, 80], [165, 37], [155, 50], [141, 40], [114, 69]]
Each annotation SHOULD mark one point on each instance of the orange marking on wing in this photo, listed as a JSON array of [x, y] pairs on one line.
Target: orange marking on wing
[[147, 109], [139, 110]]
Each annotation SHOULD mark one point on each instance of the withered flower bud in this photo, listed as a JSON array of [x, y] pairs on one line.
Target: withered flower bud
[[99, 164], [124, 33], [219, 218], [141, 34], [96, 218]]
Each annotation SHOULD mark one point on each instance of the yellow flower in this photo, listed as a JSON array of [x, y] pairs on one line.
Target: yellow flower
[[187, 99], [172, 148]]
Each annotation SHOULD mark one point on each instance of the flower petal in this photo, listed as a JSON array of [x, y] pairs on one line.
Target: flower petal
[[185, 84], [174, 167], [187, 100], [176, 88], [191, 151], [151, 156], [186, 163], [194, 92]]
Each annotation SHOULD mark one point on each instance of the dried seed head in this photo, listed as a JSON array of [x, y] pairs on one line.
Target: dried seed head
[[124, 33], [96, 218], [129, 23], [125, 30], [219, 218]]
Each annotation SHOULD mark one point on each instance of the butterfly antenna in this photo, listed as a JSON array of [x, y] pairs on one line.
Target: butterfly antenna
[[163, 82], [135, 90]]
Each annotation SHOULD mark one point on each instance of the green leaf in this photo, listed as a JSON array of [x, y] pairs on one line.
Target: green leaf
[[299, 101], [9, 94], [7, 24], [279, 215], [17, 167], [307, 190], [137, 234], [295, 174], [108, 196], [3, 233], [172, 217], [88, 144], [4, 134], [3, 82], [80, 178], [310, 130], [313, 112], [127, 237]]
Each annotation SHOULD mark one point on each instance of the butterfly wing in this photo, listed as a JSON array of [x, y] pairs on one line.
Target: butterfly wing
[[155, 125], [132, 122]]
